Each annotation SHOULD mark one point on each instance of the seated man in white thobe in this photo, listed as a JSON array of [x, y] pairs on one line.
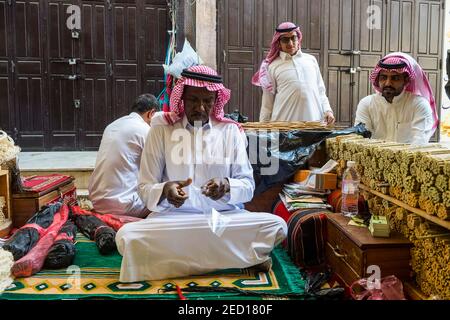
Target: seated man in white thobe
[[195, 175], [113, 184], [403, 108], [293, 88]]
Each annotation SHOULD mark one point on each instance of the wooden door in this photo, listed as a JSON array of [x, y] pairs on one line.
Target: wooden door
[[125, 26], [58, 91], [29, 74], [96, 67], [240, 53], [7, 116], [63, 79], [348, 37], [246, 29], [339, 57], [428, 45], [153, 35]]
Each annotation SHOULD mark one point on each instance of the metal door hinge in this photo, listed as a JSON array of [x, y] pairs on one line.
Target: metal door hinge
[[13, 67], [76, 34], [109, 4], [224, 53], [73, 77], [352, 70], [350, 53], [110, 70], [15, 134], [10, 2]]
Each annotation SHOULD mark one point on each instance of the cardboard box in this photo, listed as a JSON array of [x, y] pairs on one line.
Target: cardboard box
[[322, 180]]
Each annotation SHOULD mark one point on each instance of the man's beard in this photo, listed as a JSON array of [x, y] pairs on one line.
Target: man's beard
[[390, 93]]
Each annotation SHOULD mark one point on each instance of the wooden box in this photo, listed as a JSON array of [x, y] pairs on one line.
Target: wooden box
[[25, 205], [5, 226], [350, 250]]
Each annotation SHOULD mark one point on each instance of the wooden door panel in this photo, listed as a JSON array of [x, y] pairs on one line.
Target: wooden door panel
[[95, 110], [60, 41], [125, 33], [64, 117], [155, 24], [6, 103], [124, 56], [94, 40], [340, 41], [6, 80], [27, 31], [30, 119], [400, 23], [4, 32], [428, 45], [63, 121], [96, 87], [29, 98], [370, 40], [125, 92], [240, 53], [308, 15]]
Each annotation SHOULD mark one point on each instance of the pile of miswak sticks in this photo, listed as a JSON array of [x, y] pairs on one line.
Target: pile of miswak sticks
[[430, 255], [286, 126], [416, 175]]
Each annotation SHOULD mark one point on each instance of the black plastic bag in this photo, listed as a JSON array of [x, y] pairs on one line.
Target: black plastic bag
[[62, 253], [237, 116], [280, 154], [314, 283], [95, 229], [26, 237]]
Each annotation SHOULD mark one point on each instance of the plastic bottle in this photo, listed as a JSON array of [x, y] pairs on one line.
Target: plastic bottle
[[350, 190]]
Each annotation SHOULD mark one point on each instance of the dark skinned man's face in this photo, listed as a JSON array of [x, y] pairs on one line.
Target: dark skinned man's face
[[198, 103], [392, 84]]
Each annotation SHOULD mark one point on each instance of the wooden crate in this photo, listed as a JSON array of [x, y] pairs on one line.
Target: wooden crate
[[25, 205], [6, 193], [350, 250]]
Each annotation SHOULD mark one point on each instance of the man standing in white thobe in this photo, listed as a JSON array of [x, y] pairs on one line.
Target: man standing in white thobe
[[293, 88], [114, 182], [195, 175], [403, 108]]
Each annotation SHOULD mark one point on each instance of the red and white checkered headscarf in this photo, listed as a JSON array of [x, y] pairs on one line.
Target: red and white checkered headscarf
[[418, 81], [262, 78], [176, 98]]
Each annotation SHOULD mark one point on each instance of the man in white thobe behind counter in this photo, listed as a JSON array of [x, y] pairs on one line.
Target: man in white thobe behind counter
[[293, 88], [403, 108], [194, 177], [114, 182]]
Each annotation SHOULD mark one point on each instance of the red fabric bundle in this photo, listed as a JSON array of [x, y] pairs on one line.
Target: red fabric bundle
[[112, 220], [33, 261]]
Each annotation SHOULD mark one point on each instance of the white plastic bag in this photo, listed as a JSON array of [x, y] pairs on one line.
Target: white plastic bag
[[183, 60]]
